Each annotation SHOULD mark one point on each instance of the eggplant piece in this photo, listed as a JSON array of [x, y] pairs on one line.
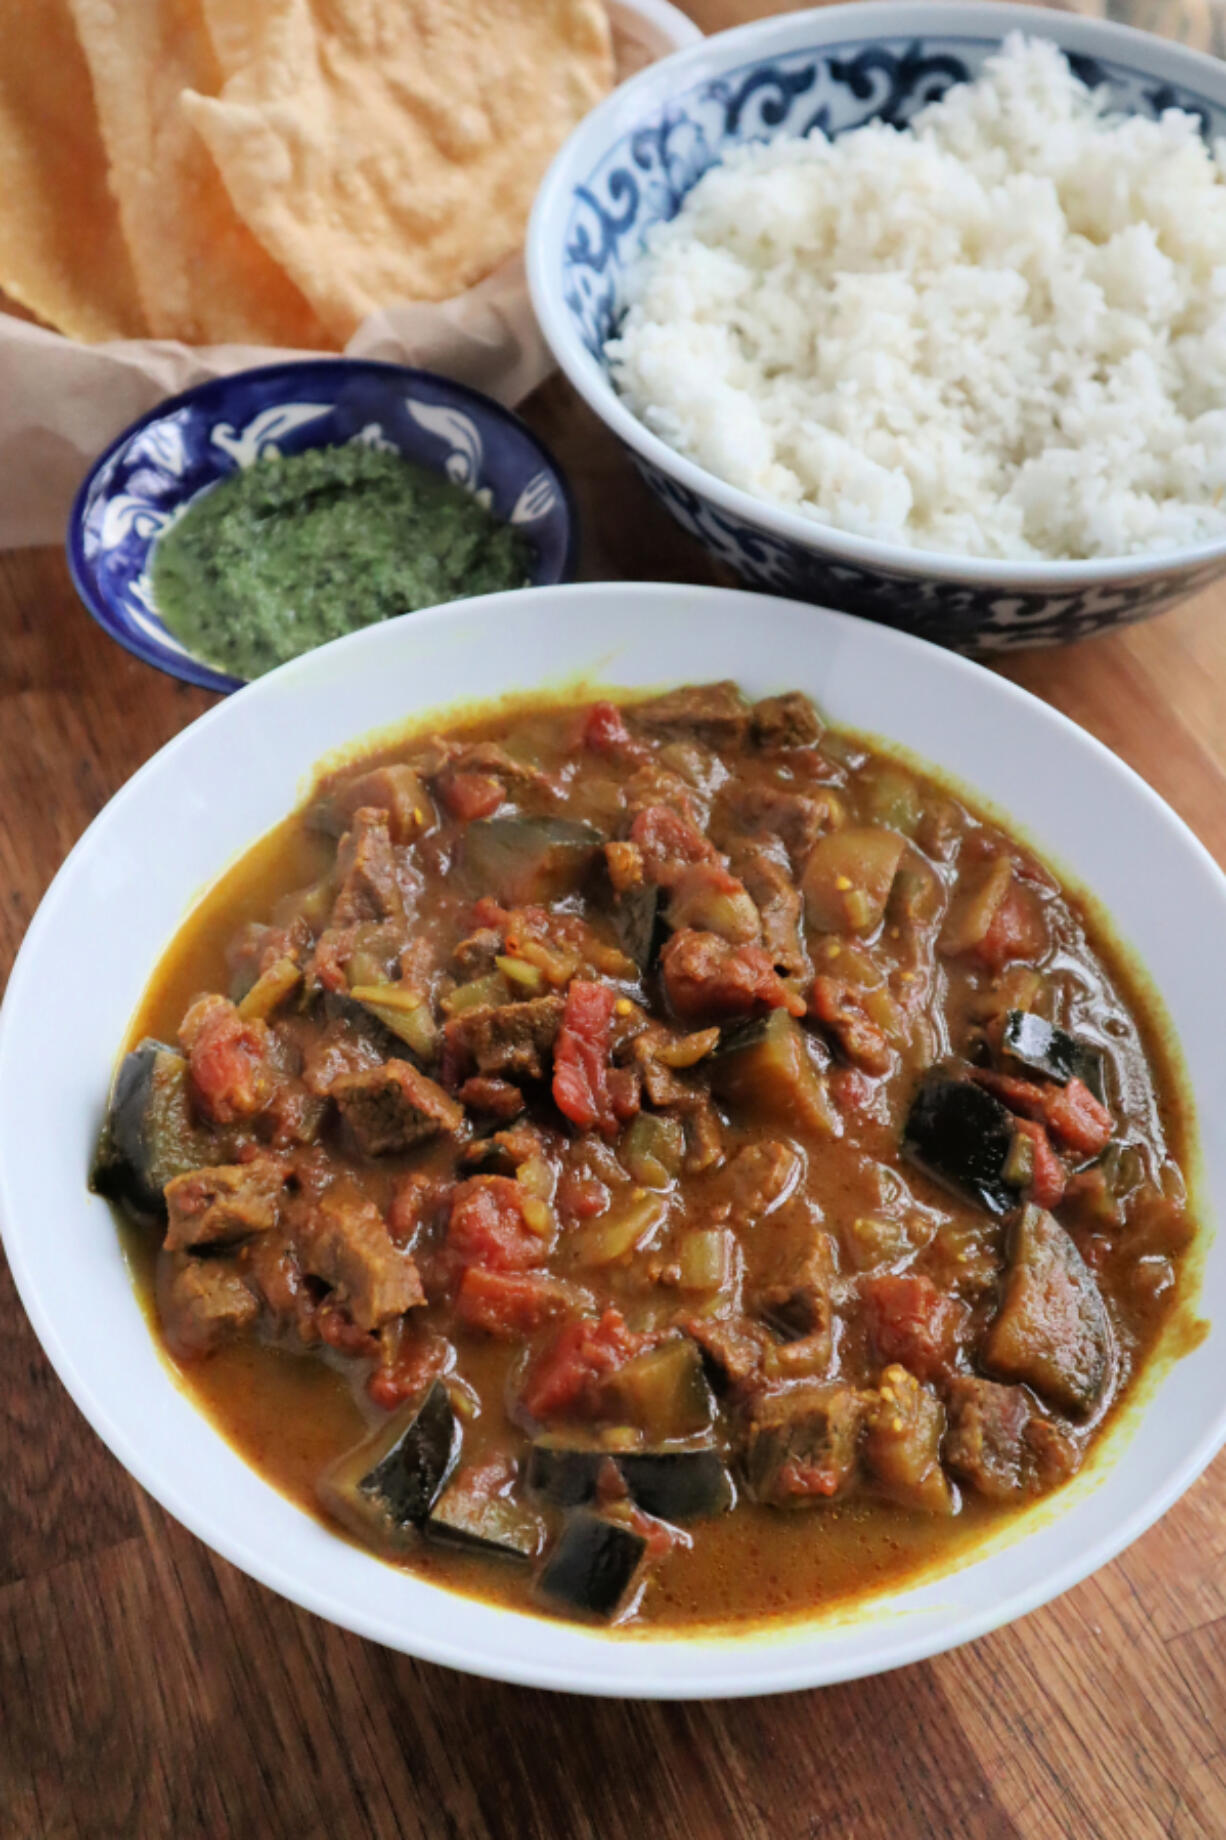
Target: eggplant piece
[[529, 861], [677, 1485], [963, 1137], [594, 1564], [664, 1393], [564, 1473], [674, 1485], [1052, 1330], [639, 923], [764, 1069], [1045, 1049], [492, 1526], [801, 1447], [150, 1134], [385, 1488]]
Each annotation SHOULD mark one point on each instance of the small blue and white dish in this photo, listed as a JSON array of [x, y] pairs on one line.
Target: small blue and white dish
[[149, 475], [629, 165]]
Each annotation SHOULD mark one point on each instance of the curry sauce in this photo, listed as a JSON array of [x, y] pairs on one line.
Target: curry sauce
[[675, 1163]]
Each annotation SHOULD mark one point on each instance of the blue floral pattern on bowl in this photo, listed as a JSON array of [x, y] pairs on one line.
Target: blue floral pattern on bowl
[[151, 474], [640, 179]]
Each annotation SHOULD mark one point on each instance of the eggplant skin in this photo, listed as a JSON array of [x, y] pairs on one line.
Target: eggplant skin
[[1046, 1049], [593, 1564], [124, 1165], [673, 1485], [962, 1136], [677, 1485], [639, 923], [562, 1473], [496, 1529], [410, 1477]]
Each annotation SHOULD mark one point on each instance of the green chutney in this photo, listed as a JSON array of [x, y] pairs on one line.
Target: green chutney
[[291, 552]]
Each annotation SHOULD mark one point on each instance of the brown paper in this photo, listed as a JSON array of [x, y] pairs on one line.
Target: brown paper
[[61, 402]]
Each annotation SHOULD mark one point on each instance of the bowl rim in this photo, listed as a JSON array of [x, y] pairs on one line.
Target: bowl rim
[[185, 665], [754, 1666], [614, 117]]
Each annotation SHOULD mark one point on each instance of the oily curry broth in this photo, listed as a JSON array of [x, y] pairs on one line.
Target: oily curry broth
[[291, 1413]]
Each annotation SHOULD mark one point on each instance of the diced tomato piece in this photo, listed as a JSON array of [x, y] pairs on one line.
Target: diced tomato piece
[[471, 795], [605, 732], [418, 1201], [625, 1093], [709, 980], [1077, 1118], [581, 1058], [566, 1380], [337, 1328], [486, 911], [1017, 930], [228, 1060], [840, 1006], [798, 1477], [409, 1361], [669, 843], [660, 1537], [509, 1303], [488, 1226], [1024, 1097], [1047, 1184], [581, 1197], [1071, 1113], [913, 1322], [849, 1088], [497, 1098]]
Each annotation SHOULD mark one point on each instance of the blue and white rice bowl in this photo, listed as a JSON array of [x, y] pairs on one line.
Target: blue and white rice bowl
[[631, 163]]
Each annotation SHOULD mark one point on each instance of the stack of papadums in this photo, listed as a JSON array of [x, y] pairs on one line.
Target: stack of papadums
[[269, 172]]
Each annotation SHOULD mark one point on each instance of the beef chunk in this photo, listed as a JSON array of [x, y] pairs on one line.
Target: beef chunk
[[715, 713], [366, 872], [801, 1446], [704, 1138], [663, 1055], [779, 906], [211, 1207], [789, 721], [489, 757], [394, 790], [902, 1446], [733, 1348], [911, 1321], [795, 818], [1052, 1454], [984, 1444], [757, 1179], [392, 1107], [496, 1098], [344, 1045], [474, 956], [1052, 1330], [708, 980], [202, 1302], [796, 1301], [842, 1008], [271, 1266], [230, 1061], [510, 1039], [343, 1240]]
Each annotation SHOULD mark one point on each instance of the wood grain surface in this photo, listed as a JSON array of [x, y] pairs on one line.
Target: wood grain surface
[[148, 1689]]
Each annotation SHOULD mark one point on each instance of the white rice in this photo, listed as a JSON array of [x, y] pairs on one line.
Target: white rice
[[1001, 332]]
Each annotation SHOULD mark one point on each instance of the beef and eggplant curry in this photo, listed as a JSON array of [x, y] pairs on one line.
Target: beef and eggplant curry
[[661, 1160]]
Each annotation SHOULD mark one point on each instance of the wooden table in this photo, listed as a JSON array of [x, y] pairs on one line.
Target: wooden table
[[148, 1689]]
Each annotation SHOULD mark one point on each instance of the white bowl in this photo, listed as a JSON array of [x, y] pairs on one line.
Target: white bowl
[[126, 887], [629, 164]]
